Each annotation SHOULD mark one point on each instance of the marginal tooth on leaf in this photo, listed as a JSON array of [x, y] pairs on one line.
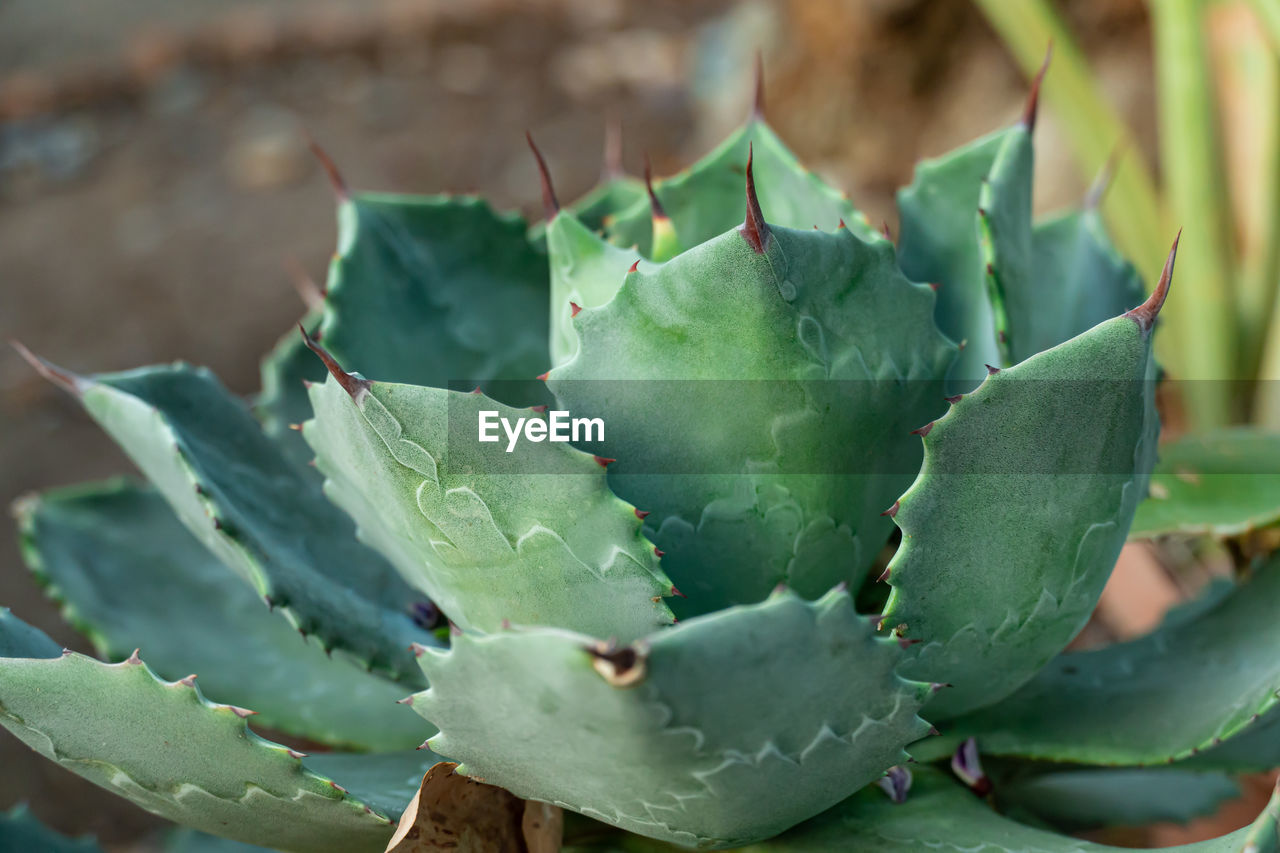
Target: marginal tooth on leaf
[[476, 390], [408, 700], [884, 229], [354, 385], [841, 225], [1145, 314], [294, 754], [309, 292], [907, 642], [968, 769], [842, 587], [426, 744], [655, 206], [938, 685], [619, 666], [642, 514], [242, 713], [657, 553], [678, 594], [924, 430], [933, 731], [612, 168], [542, 410], [953, 400], [884, 576], [892, 511], [550, 206], [574, 308], [134, 658], [418, 649], [296, 427], [543, 376], [604, 461], [330, 169], [454, 630], [991, 371], [757, 99], [62, 378], [1033, 98], [896, 782], [506, 624], [189, 681], [335, 786], [754, 229], [635, 266]]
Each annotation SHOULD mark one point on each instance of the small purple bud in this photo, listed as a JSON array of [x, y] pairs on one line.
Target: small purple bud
[[425, 614], [968, 768], [896, 782]]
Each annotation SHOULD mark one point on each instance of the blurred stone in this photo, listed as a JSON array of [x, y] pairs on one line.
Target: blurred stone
[[267, 151], [48, 151]]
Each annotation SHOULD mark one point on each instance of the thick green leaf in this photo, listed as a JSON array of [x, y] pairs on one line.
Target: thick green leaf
[[426, 290], [257, 511], [1077, 799], [1078, 281], [939, 244], [283, 403], [1004, 231], [941, 815], [1224, 483], [1166, 696], [533, 536], [706, 199], [585, 271], [166, 748], [598, 208], [20, 640], [682, 736], [760, 405], [1020, 510], [387, 781], [22, 833], [130, 575], [1255, 749]]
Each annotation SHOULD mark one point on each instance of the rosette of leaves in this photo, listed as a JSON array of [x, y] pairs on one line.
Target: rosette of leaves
[[687, 631]]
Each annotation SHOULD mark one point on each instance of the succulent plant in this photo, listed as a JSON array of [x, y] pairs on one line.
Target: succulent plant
[[688, 630]]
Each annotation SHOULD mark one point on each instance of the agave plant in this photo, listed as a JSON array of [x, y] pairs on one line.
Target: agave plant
[[685, 627]]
